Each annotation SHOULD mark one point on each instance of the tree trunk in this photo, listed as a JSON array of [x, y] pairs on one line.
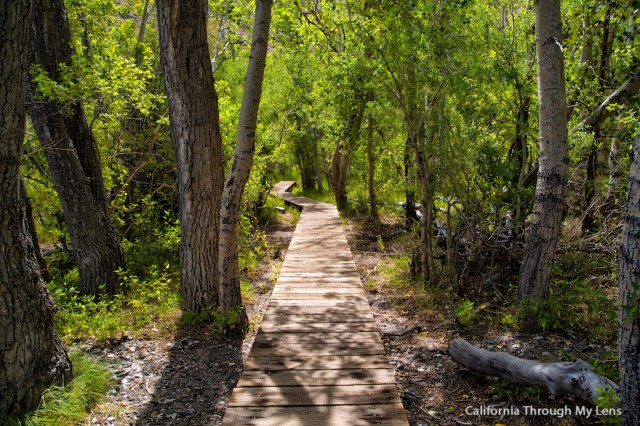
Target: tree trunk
[[373, 204], [339, 168], [73, 158], [229, 268], [560, 378], [32, 356], [546, 218], [340, 161], [629, 311], [614, 174], [31, 228], [409, 187], [195, 131], [426, 201]]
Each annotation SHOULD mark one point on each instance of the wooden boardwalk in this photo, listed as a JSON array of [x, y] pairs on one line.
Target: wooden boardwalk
[[318, 358]]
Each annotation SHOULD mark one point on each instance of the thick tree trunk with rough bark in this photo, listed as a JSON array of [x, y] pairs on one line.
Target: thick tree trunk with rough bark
[[559, 378], [195, 130], [546, 218], [629, 311], [229, 268], [32, 356], [72, 154]]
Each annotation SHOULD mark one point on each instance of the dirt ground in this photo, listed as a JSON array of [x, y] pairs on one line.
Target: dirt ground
[[187, 379]]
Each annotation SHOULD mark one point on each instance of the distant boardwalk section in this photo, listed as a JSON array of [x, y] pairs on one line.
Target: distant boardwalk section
[[318, 358]]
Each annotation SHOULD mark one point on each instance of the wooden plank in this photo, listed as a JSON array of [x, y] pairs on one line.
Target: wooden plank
[[357, 376], [319, 285], [315, 337], [331, 362], [304, 317], [339, 415], [316, 290], [314, 302], [320, 327], [319, 310], [313, 395], [317, 349], [354, 279], [319, 274], [332, 296]]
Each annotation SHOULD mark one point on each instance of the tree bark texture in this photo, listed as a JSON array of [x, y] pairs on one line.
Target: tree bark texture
[[373, 203], [340, 160], [629, 311], [409, 185], [195, 131], [546, 218], [31, 227], [559, 378], [229, 268], [426, 202], [72, 154], [32, 356], [339, 169]]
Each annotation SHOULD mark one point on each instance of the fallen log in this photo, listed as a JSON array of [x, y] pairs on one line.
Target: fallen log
[[559, 378]]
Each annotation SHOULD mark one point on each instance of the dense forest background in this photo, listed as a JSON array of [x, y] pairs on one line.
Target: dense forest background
[[418, 119]]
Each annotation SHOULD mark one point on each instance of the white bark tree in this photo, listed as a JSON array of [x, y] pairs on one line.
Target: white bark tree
[[548, 205], [229, 268]]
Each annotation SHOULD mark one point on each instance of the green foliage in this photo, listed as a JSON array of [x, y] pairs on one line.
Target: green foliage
[[71, 403], [467, 312], [146, 302], [578, 304], [229, 322], [609, 402]]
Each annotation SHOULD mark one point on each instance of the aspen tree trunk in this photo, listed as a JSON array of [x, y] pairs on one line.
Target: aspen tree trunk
[[629, 311], [229, 268], [32, 356], [546, 218], [340, 160], [339, 168], [72, 154], [409, 190], [195, 131], [373, 204]]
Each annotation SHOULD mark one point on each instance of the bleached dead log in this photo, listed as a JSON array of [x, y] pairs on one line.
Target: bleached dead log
[[559, 378]]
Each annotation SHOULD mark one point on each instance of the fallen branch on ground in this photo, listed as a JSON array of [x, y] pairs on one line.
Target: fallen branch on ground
[[559, 378]]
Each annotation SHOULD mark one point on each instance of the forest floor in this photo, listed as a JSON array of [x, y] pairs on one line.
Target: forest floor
[[186, 378]]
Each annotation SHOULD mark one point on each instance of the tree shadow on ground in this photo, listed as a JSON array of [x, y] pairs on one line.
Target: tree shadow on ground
[[195, 383]]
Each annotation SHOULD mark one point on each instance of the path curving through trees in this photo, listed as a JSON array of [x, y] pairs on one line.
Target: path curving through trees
[[318, 357]]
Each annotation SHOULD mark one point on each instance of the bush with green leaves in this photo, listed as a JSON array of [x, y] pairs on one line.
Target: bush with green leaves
[[146, 301]]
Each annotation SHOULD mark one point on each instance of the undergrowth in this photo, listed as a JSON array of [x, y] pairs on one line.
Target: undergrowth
[[69, 405], [151, 302]]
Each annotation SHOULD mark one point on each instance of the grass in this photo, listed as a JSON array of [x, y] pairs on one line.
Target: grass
[[69, 405]]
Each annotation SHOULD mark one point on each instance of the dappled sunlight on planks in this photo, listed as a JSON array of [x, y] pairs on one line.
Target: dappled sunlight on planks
[[318, 358]]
